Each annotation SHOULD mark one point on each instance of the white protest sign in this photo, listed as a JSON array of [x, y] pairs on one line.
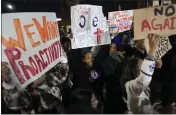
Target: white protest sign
[[157, 20], [155, 2], [30, 45], [166, 2], [120, 21], [163, 47], [89, 26]]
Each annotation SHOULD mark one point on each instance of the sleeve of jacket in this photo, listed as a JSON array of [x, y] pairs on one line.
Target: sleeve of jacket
[[135, 87]]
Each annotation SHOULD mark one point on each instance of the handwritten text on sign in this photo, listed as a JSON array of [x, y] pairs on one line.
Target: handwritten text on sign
[[89, 26], [30, 44], [158, 20], [120, 20], [163, 47]]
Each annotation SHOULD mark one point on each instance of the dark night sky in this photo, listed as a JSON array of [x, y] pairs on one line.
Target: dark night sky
[[55, 6]]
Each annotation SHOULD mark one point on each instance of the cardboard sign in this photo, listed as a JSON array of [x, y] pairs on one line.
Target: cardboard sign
[[30, 45], [163, 47], [89, 26], [158, 20], [120, 21]]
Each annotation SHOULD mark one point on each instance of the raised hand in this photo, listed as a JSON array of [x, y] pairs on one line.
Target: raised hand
[[153, 44]]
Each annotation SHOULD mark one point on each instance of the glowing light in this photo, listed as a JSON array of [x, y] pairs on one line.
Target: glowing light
[[59, 19], [10, 6]]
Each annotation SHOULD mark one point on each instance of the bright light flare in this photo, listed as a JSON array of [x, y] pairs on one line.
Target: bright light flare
[[59, 19], [10, 6]]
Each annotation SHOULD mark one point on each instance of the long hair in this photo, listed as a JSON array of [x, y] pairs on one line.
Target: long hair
[[130, 72]]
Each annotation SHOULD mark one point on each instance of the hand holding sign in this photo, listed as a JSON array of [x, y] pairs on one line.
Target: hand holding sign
[[153, 44], [34, 49], [163, 46]]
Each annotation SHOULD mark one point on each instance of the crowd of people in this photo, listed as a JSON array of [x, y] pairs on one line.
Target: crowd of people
[[111, 79]]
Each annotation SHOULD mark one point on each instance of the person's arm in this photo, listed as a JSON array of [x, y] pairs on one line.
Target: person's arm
[[135, 87]]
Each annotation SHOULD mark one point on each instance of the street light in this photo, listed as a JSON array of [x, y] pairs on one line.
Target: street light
[[59, 19], [10, 6]]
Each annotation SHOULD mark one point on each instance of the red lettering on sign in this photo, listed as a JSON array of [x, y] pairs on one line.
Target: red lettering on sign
[[33, 64], [47, 55], [172, 22], [41, 53], [146, 25], [169, 23], [26, 68], [157, 25], [12, 57], [36, 63], [166, 23]]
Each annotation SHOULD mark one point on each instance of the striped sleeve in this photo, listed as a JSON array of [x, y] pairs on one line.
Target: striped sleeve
[[135, 87]]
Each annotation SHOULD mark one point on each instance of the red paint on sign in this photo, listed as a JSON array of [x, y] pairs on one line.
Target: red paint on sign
[[98, 33]]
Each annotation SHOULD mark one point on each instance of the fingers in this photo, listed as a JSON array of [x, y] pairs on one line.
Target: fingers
[[153, 38]]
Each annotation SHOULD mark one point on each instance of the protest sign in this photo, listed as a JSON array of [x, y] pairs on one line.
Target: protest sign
[[163, 47], [155, 2], [30, 45], [120, 21], [166, 2], [158, 20], [89, 26]]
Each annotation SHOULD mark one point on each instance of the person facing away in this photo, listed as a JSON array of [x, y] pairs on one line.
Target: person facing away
[[136, 78], [138, 51], [110, 64]]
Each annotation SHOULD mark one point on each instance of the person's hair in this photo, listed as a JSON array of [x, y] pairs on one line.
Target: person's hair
[[64, 40], [112, 42], [130, 72], [125, 41], [110, 45], [81, 96], [84, 52]]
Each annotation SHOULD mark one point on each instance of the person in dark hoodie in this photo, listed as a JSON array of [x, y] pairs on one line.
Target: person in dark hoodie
[[84, 74], [113, 101]]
